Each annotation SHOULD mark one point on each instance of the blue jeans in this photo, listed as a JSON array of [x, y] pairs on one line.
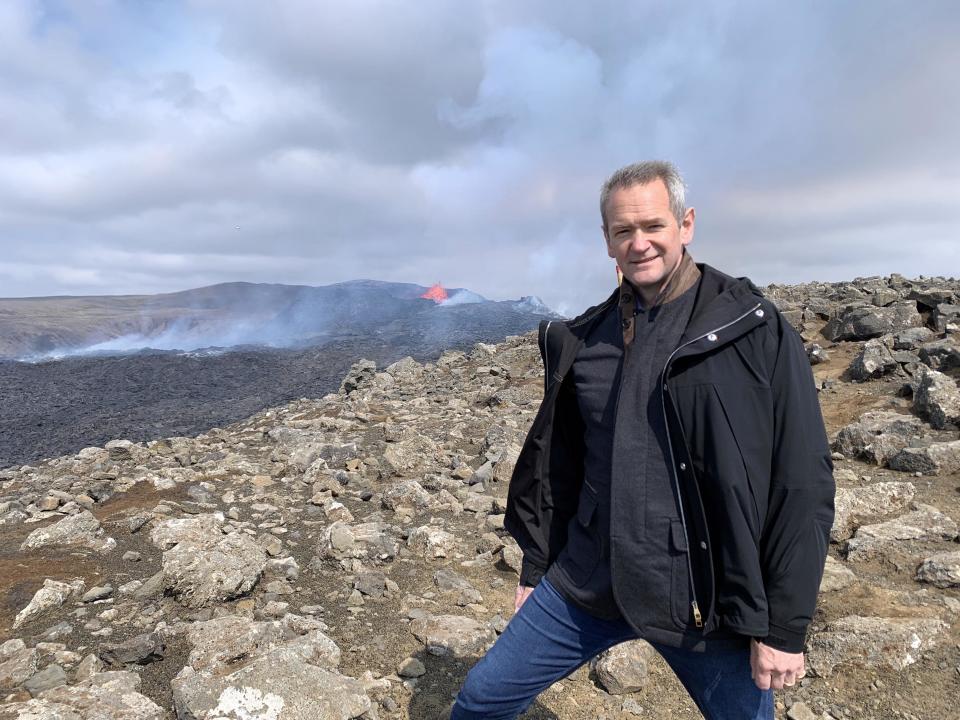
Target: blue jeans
[[549, 638]]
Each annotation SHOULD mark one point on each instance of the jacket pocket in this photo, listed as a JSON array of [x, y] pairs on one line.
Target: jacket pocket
[[583, 543], [680, 607]]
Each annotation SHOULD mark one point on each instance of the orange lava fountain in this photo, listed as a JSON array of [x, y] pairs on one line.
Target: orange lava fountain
[[435, 293]]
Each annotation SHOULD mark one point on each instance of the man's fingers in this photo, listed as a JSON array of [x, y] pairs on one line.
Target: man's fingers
[[762, 680], [789, 679], [776, 681]]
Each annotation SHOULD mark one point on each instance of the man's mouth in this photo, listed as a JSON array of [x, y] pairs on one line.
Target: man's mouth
[[645, 260]]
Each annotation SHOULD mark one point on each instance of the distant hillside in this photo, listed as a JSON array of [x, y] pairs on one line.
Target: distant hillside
[[233, 314]]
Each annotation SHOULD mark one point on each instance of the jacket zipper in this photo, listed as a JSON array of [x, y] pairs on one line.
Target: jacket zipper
[[697, 617]]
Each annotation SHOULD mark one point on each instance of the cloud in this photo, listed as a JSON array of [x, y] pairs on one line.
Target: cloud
[[151, 147]]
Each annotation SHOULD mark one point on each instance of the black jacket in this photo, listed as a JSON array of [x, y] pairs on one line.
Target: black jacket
[[750, 461]]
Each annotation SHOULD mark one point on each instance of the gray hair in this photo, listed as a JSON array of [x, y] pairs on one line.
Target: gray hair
[[642, 173]]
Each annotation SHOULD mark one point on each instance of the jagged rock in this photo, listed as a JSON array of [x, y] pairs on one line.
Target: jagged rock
[[200, 575], [97, 593], [405, 370], [411, 668], [800, 711], [836, 576], [940, 355], [874, 360], [80, 530], [141, 649], [506, 463], [52, 595], [937, 397], [223, 642], [512, 556], [50, 677], [942, 569], [946, 317], [359, 376], [446, 580], [201, 530], [105, 696], [924, 523], [624, 668], [371, 584], [342, 540], [18, 663], [334, 510], [853, 504], [411, 455], [453, 635], [877, 435], [911, 338], [865, 322], [872, 642], [120, 450], [935, 458], [816, 354], [478, 502], [409, 494], [277, 684], [431, 541]]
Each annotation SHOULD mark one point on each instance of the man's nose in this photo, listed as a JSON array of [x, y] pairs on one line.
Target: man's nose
[[639, 243]]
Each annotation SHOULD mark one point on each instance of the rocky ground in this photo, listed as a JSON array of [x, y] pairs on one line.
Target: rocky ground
[[344, 557]]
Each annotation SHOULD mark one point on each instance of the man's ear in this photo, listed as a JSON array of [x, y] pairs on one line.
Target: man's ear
[[606, 240], [686, 227]]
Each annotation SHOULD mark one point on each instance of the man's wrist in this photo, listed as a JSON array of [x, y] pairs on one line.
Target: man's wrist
[[784, 639]]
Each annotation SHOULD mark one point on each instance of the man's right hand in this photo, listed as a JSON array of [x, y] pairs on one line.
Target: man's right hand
[[520, 597]]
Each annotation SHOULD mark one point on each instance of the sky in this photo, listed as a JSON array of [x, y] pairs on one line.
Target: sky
[[159, 145]]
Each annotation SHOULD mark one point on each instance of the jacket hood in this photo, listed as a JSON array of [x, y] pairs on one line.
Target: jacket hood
[[720, 298]]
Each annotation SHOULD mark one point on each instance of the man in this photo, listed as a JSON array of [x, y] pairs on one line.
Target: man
[[676, 484]]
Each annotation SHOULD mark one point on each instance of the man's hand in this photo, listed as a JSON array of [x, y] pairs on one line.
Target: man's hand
[[523, 592], [774, 668]]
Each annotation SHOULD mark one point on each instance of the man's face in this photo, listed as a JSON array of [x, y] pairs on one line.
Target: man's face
[[643, 235]]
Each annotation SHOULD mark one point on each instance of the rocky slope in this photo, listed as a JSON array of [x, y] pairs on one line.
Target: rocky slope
[[344, 557]]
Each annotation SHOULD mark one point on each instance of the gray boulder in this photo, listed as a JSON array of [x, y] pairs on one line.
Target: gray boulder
[[200, 575], [278, 685], [625, 668], [872, 642], [52, 595], [105, 696], [80, 530], [942, 569], [836, 576], [935, 458], [877, 435], [923, 524], [937, 397], [853, 504], [873, 361], [867, 321], [940, 355], [453, 635], [946, 317]]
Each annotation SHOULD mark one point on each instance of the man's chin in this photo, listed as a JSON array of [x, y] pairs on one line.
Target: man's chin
[[645, 281]]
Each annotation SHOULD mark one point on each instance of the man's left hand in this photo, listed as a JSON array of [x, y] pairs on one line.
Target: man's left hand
[[774, 668]]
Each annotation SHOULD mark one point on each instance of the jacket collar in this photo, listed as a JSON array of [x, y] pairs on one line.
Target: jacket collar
[[683, 277]]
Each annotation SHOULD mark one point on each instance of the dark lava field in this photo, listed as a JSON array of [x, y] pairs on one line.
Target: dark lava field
[[57, 407]]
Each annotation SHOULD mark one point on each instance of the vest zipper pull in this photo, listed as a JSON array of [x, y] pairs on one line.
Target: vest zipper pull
[[697, 618]]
